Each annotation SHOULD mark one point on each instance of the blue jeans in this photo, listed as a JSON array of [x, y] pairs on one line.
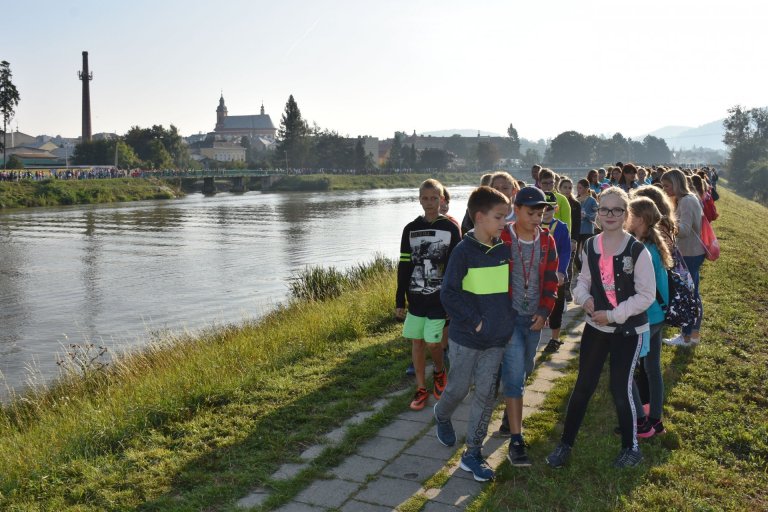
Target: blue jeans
[[694, 264], [519, 357]]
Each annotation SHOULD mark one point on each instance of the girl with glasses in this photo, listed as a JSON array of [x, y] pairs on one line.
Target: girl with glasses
[[615, 300]]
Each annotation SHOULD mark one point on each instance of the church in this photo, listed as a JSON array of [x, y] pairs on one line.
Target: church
[[258, 126]]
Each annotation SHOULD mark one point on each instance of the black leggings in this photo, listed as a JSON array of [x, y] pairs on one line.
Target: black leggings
[[595, 346], [556, 317]]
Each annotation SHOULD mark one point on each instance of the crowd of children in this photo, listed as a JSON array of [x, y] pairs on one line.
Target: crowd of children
[[483, 290]]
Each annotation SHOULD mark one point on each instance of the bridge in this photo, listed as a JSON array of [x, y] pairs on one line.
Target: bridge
[[238, 177]]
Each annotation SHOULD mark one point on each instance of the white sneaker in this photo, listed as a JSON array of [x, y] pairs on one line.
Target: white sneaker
[[693, 341], [677, 341]]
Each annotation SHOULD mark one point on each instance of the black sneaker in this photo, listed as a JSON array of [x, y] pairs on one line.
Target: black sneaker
[[628, 458], [516, 455], [410, 371], [552, 346], [503, 432], [559, 456]]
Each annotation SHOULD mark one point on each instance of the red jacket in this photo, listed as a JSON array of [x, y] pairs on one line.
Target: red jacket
[[547, 269]]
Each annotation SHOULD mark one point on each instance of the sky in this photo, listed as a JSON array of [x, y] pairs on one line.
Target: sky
[[372, 68]]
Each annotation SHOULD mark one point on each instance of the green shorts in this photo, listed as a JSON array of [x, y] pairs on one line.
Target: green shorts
[[422, 328]]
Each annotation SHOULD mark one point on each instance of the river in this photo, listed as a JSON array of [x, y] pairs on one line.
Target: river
[[118, 274]]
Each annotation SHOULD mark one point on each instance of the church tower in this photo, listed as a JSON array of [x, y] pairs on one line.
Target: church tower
[[221, 113]]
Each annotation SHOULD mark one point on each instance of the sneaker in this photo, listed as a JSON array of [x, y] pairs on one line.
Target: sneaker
[[559, 456], [693, 341], [651, 429], [419, 399], [628, 458], [516, 455], [677, 341], [411, 371], [476, 464], [445, 433], [440, 380], [552, 346], [503, 432]]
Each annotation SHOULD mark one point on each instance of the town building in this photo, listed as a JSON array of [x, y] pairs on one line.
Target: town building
[[235, 127]]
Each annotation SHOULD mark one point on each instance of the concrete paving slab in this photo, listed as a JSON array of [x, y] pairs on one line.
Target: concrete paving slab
[[380, 404], [288, 471], [457, 492], [327, 493], [383, 448], [548, 372], [390, 492], [359, 506], [335, 436], [294, 506], [432, 506], [397, 392], [535, 397], [429, 446], [412, 467], [254, 499], [359, 418], [402, 429], [312, 452], [357, 469], [422, 416]]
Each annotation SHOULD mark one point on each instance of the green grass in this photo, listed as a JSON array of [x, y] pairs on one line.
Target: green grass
[[27, 193], [195, 424], [323, 182], [715, 455]]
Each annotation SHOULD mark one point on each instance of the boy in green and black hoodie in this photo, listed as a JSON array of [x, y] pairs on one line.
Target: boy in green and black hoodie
[[476, 295], [425, 246]]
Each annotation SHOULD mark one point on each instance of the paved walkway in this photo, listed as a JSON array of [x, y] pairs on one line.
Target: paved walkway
[[393, 467]]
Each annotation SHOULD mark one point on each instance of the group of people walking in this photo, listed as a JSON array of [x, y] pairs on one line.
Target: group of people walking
[[481, 291]]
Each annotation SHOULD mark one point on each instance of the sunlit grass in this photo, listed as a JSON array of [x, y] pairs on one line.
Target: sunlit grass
[[27, 193], [715, 454], [201, 420]]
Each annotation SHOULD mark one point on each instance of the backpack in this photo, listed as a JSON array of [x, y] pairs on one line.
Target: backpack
[[684, 306]]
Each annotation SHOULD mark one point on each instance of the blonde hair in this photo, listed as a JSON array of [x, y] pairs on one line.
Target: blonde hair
[[677, 179], [434, 184], [504, 176], [644, 208], [664, 205], [614, 191], [485, 179]]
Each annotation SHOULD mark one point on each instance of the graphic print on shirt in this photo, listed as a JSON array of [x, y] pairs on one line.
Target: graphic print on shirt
[[428, 247]]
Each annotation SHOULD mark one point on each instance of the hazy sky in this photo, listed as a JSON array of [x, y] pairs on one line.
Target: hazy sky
[[362, 67]]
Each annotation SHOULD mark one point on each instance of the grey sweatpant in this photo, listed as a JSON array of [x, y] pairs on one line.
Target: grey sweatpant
[[468, 365]]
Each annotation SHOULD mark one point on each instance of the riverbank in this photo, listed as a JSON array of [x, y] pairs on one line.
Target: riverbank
[[26, 193], [198, 423], [326, 182]]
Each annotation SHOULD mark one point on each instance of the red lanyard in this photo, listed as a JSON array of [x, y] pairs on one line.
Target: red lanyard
[[526, 273]]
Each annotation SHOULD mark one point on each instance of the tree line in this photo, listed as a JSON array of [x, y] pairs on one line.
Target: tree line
[[746, 134]]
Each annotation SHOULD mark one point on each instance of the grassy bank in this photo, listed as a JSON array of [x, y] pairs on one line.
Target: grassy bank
[[715, 454], [323, 182], [21, 194], [193, 424]]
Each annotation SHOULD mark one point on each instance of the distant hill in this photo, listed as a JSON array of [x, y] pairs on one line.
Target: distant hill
[[708, 135], [464, 132]]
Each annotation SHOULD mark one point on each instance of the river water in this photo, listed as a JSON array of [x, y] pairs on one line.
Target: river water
[[114, 274]]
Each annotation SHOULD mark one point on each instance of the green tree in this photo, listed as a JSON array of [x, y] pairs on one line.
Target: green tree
[[434, 159], [14, 162], [9, 99], [514, 142], [159, 156], [656, 150], [102, 152], [456, 145], [144, 143], [394, 161], [531, 157], [570, 147], [746, 132], [487, 154], [292, 143], [361, 159]]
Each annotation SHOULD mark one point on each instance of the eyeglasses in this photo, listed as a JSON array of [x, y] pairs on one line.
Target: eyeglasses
[[611, 212], [548, 208]]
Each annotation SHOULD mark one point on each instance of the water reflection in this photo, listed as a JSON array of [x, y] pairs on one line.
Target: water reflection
[[114, 272]]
